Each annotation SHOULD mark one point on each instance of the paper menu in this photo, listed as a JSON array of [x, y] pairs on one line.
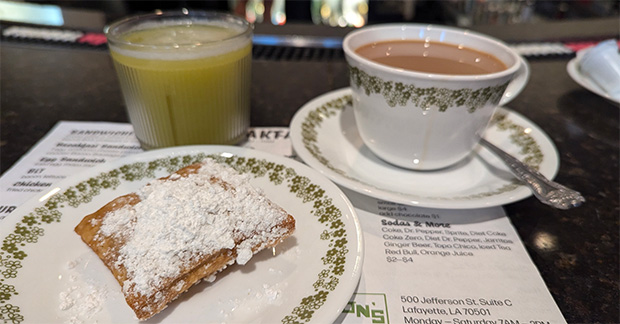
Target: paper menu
[[67, 149], [71, 147], [445, 267], [421, 265]]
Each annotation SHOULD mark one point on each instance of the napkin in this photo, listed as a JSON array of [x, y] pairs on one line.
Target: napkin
[[601, 64]]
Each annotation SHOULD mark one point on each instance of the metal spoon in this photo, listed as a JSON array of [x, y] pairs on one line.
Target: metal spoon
[[547, 191]]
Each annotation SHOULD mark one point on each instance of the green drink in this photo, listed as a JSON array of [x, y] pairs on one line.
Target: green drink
[[185, 78]]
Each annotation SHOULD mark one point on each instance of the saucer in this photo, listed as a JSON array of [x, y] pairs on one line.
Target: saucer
[[583, 80], [324, 135]]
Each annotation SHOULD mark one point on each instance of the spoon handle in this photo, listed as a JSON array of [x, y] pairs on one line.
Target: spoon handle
[[547, 191]]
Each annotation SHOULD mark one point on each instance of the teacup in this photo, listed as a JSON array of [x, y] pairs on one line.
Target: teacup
[[425, 120]]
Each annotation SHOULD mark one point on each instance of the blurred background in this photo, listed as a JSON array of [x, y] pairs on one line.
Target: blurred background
[[357, 13]]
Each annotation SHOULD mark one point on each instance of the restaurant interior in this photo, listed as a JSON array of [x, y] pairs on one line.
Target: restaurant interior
[[357, 13], [297, 57]]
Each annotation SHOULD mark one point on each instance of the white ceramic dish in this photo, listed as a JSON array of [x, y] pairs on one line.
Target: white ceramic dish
[[583, 80], [49, 275], [324, 135]]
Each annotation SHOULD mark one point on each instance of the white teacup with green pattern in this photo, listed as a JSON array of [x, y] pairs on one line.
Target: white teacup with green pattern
[[426, 121]]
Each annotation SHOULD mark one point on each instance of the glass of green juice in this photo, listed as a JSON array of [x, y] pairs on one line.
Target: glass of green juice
[[185, 76]]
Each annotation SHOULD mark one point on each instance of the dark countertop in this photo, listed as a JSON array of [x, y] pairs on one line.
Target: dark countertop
[[576, 251]]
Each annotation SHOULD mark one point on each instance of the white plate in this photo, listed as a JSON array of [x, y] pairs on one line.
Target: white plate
[[324, 135], [583, 80], [44, 265]]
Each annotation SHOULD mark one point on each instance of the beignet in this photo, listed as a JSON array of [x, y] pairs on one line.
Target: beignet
[[180, 229]]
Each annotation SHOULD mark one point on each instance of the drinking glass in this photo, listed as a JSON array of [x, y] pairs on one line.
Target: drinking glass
[[185, 76]]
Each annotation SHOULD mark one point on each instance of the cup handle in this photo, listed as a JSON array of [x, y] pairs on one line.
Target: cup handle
[[518, 82]]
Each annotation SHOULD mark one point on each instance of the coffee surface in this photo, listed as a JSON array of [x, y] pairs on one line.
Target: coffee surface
[[431, 57]]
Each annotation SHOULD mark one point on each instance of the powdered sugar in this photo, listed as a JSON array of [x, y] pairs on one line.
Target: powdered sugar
[[183, 218], [250, 303], [244, 255], [80, 299]]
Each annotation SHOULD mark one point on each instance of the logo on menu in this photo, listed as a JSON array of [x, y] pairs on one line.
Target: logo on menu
[[370, 308]]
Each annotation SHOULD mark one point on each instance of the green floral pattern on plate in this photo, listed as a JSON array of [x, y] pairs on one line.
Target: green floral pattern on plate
[[398, 93], [31, 227], [533, 155]]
